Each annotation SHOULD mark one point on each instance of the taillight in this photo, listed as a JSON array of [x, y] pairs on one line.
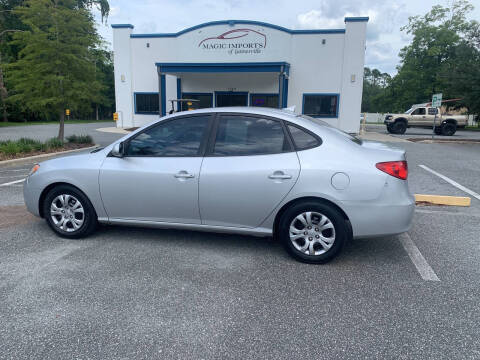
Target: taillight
[[398, 169]]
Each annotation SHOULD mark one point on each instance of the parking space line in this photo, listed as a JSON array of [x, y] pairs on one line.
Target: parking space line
[[12, 182], [441, 212], [424, 269], [452, 182]]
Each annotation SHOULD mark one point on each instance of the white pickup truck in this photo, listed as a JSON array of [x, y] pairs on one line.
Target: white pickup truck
[[422, 117]]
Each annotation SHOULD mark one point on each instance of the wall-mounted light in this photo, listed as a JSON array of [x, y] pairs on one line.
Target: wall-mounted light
[[324, 41], [148, 45], [352, 78], [122, 78]]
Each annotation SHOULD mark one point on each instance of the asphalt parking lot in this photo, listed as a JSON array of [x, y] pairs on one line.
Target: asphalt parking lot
[[141, 293]]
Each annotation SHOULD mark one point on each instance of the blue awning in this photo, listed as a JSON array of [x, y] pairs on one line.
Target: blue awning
[[277, 67]]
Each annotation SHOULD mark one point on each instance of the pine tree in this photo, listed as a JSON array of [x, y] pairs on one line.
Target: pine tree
[[56, 66]]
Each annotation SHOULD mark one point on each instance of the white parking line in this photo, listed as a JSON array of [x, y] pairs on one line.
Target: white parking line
[[425, 270], [12, 182], [452, 182]]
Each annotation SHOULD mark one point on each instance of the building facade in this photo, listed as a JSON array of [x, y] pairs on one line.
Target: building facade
[[241, 63]]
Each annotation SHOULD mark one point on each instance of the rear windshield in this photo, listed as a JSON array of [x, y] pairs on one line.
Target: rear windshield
[[334, 129]]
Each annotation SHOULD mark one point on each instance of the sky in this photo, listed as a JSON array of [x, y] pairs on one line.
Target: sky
[[384, 38]]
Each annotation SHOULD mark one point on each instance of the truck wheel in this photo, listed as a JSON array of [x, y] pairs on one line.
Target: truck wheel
[[438, 130], [449, 129], [389, 129], [399, 127]]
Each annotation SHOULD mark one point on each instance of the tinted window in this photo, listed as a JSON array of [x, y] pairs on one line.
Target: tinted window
[[242, 135], [432, 111], [146, 103], [302, 139], [320, 105], [419, 111], [205, 101], [264, 100], [180, 137]]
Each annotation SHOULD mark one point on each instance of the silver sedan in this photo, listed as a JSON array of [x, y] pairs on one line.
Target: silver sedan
[[253, 171]]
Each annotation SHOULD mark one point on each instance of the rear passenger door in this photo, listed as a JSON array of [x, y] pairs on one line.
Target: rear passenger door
[[249, 168]]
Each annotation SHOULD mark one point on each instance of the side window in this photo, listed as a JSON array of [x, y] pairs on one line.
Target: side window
[[432, 111], [178, 137], [419, 111], [302, 139], [243, 135]]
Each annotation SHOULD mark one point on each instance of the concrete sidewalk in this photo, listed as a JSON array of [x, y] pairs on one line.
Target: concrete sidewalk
[[374, 136]]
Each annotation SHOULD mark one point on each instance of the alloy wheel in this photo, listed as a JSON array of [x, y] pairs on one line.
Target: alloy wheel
[[67, 213], [312, 233]]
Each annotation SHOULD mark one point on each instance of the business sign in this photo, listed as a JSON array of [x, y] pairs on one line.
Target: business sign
[[437, 100], [236, 42]]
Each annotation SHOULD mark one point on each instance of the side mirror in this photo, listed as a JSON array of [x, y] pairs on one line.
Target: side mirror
[[117, 150]]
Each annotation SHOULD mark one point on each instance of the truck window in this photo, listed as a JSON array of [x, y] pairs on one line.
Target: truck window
[[432, 111], [419, 111]]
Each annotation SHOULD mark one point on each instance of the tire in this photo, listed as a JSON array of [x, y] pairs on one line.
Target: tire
[[448, 129], [389, 129], [438, 130], [56, 212], [340, 232], [399, 127]]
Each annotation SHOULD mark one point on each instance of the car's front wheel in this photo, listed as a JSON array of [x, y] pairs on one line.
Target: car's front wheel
[[313, 232], [69, 213]]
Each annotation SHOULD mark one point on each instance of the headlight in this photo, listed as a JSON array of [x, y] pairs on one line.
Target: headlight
[[34, 169]]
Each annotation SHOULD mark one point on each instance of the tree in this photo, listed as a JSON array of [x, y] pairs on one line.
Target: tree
[[443, 56], [55, 69]]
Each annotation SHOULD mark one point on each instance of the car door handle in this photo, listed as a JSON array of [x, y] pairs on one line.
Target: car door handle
[[184, 175], [279, 175]]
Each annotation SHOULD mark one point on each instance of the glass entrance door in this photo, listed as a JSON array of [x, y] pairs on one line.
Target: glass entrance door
[[223, 99]]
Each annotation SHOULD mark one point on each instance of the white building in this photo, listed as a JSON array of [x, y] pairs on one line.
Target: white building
[[237, 62]]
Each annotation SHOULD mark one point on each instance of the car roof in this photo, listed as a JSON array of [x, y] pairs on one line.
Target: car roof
[[242, 109]]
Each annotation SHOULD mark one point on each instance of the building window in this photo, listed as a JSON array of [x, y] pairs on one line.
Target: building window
[[146, 103], [205, 100], [264, 100], [320, 105]]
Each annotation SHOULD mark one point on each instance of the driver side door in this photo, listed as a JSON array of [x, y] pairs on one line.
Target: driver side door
[[157, 179]]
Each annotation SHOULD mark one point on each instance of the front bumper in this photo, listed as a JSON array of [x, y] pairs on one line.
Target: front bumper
[[31, 196]]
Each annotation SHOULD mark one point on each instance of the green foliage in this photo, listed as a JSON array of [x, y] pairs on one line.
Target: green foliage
[[80, 139], [54, 143], [444, 56], [56, 60], [55, 68]]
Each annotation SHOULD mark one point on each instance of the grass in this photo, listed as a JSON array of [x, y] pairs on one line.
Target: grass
[[28, 123], [11, 148], [472, 128]]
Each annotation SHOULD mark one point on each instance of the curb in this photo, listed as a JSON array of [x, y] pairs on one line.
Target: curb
[[442, 200], [26, 160], [113, 130]]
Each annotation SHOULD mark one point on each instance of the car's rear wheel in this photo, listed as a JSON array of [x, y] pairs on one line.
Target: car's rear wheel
[[69, 213], [399, 127], [438, 130], [313, 232], [389, 129], [449, 129]]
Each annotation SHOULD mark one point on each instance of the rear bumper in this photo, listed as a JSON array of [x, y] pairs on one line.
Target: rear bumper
[[391, 214]]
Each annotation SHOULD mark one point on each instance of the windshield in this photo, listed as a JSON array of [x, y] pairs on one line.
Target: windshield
[[408, 111], [333, 128]]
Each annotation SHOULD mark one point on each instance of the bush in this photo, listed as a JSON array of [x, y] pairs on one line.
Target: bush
[[80, 139], [53, 143], [9, 148]]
